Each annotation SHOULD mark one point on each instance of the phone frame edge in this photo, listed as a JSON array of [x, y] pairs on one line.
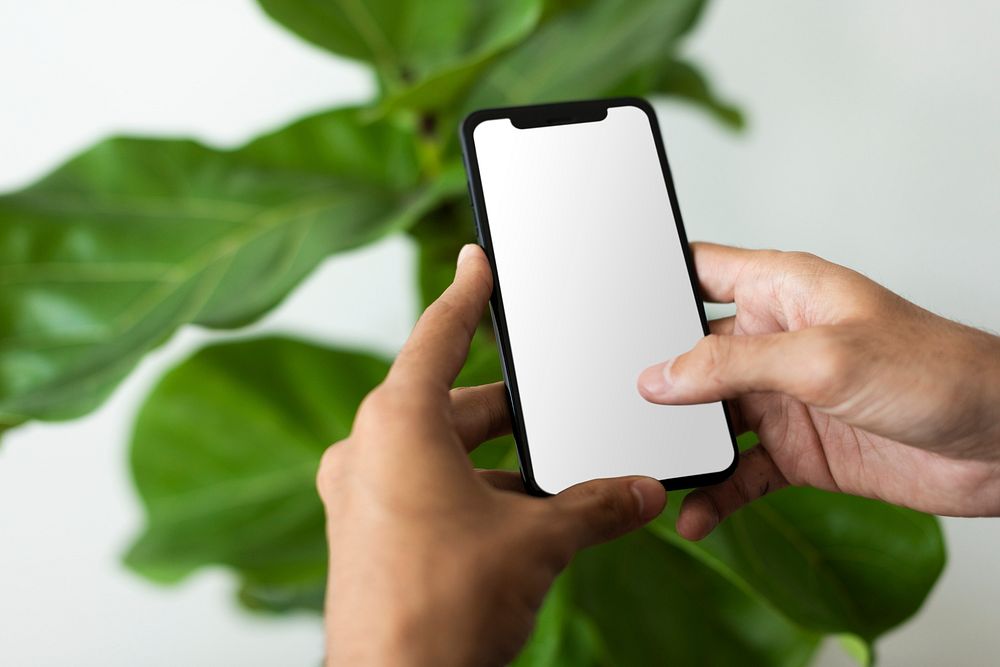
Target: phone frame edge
[[532, 114]]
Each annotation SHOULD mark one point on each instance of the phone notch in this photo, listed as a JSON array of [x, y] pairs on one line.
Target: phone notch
[[531, 118]]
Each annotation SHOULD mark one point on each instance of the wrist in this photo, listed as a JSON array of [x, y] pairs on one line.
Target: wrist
[[987, 388], [992, 408], [411, 644], [406, 633]]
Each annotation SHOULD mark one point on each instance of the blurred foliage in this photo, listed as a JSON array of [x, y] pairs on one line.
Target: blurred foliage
[[106, 257]]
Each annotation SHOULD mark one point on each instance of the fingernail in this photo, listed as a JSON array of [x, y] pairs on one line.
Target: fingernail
[[465, 252], [650, 497], [655, 380]]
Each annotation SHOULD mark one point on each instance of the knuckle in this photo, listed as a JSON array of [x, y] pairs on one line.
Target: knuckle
[[804, 259], [389, 401], [594, 514], [482, 282], [444, 306], [769, 255], [741, 490], [764, 262], [832, 355], [804, 266], [715, 352], [802, 274], [497, 413], [832, 358], [612, 507], [376, 402], [486, 404], [452, 309], [466, 396], [561, 553], [474, 398], [330, 468], [556, 533]]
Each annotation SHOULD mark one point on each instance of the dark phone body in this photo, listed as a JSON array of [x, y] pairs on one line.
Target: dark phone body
[[526, 117]]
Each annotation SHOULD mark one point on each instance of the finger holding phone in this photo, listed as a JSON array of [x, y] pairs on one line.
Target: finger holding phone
[[849, 387], [431, 562]]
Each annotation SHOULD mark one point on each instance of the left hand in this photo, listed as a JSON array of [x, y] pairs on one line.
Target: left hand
[[850, 388], [432, 562]]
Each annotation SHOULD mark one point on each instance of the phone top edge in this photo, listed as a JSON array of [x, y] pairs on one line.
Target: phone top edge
[[474, 118]]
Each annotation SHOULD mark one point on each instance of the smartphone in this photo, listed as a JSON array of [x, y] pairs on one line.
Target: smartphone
[[593, 282]]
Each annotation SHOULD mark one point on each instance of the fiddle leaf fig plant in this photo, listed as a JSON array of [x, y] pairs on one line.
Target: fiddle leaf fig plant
[[109, 255]]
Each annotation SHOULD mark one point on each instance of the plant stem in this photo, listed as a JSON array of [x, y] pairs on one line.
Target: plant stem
[[428, 146]]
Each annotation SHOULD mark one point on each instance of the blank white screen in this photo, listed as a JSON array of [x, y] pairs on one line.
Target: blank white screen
[[594, 288]]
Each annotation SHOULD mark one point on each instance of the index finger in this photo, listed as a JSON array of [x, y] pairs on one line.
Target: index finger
[[718, 268], [439, 344]]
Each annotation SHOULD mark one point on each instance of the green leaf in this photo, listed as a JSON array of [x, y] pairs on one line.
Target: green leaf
[[836, 564], [564, 634], [428, 50], [224, 455], [444, 87], [858, 649], [586, 51], [643, 601], [107, 256], [682, 80]]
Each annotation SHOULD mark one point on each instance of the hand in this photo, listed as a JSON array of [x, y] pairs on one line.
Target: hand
[[848, 386], [432, 563]]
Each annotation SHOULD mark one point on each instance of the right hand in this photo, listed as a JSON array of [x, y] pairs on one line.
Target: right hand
[[849, 387]]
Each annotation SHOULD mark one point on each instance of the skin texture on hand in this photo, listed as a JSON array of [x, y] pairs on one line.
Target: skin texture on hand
[[849, 387], [432, 562]]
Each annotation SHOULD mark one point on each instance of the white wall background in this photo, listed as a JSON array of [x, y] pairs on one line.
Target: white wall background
[[874, 140]]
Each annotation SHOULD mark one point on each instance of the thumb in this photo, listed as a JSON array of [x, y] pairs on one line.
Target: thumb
[[813, 365], [603, 509]]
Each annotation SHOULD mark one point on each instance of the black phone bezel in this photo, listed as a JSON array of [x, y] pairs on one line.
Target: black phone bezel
[[560, 113]]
